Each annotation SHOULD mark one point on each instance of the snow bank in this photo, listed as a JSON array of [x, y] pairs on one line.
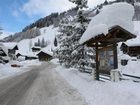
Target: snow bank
[[29, 63], [132, 68], [7, 70], [102, 93], [111, 15]]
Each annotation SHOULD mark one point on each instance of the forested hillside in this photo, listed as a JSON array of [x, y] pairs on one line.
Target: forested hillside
[[32, 30]]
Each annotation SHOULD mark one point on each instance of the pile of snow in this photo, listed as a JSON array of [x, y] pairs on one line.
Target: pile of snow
[[136, 41], [132, 68], [111, 15], [102, 93], [28, 63]]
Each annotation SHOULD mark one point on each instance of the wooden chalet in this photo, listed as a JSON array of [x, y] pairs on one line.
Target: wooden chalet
[[106, 48], [44, 56], [131, 50], [36, 49]]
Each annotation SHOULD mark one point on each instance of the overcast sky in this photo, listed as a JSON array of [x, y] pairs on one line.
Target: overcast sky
[[16, 14]]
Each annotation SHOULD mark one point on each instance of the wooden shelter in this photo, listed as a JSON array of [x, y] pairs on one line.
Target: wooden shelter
[[106, 48], [44, 56]]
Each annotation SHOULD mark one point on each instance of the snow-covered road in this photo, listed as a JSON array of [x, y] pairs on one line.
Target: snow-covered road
[[40, 86]]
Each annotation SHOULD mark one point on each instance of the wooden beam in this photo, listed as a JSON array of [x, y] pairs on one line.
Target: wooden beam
[[97, 63], [115, 56]]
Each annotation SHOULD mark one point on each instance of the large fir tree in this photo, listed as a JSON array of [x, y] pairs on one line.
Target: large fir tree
[[81, 55], [70, 52], [65, 41]]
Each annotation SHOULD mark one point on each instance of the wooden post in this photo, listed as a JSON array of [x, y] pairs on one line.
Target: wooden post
[[115, 56], [97, 63]]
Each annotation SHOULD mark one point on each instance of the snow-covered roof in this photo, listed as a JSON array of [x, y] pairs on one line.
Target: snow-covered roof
[[47, 50], [10, 45], [136, 41], [36, 47], [29, 54], [117, 14]]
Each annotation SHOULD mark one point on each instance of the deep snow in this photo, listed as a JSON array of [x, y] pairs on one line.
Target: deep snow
[[111, 15], [6, 70], [101, 93]]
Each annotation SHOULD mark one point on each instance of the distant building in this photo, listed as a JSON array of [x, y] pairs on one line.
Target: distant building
[[44, 56], [12, 47], [27, 56], [36, 49], [131, 50]]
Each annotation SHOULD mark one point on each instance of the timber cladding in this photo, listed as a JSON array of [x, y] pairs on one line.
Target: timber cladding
[[44, 56]]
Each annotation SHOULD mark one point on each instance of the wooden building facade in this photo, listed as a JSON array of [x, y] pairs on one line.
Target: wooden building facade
[[43, 56]]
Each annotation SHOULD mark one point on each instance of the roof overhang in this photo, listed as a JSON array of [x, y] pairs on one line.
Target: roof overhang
[[115, 34]]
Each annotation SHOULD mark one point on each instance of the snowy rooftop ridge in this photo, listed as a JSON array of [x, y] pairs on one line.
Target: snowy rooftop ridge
[[47, 50], [117, 14]]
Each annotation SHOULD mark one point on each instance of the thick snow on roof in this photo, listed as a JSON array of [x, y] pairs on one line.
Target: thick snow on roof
[[24, 46], [136, 41], [116, 14], [4, 48], [10, 45], [47, 50]]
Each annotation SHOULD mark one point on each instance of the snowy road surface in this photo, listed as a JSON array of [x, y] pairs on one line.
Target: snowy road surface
[[40, 86]]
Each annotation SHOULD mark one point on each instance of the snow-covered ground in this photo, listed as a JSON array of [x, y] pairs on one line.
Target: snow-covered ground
[[132, 68], [117, 14], [6, 70], [101, 93]]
